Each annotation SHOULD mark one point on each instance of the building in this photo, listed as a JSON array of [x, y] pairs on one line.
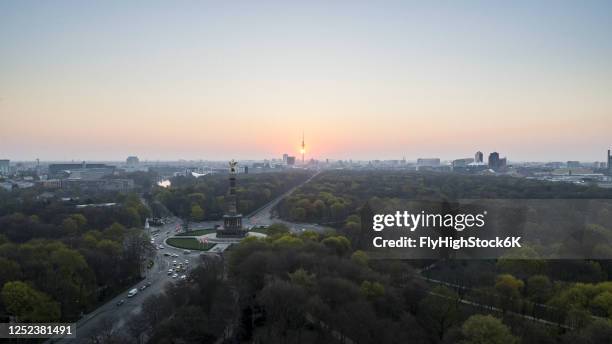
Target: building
[[232, 221], [285, 156], [82, 170], [5, 167], [478, 157], [290, 160], [132, 160], [609, 163], [462, 162], [428, 162], [573, 164], [495, 163]]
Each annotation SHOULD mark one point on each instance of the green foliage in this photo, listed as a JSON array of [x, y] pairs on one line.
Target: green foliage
[[197, 214], [74, 257], [440, 310], [208, 193], [372, 290], [29, 304], [338, 244], [360, 258], [486, 329], [277, 229]]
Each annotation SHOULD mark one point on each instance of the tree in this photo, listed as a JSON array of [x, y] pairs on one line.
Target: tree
[[372, 289], [339, 244], [603, 302], [277, 229], [284, 306], [29, 304], [509, 289], [360, 257], [303, 278], [486, 329], [539, 288], [9, 271], [197, 214], [70, 227], [440, 310]]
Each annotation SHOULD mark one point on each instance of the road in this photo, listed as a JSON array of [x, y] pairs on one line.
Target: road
[[263, 215], [91, 323], [110, 314]]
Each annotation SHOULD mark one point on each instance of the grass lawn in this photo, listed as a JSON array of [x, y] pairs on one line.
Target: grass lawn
[[262, 230], [189, 244], [197, 232]]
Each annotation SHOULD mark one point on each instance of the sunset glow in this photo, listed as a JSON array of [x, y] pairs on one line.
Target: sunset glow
[[212, 80]]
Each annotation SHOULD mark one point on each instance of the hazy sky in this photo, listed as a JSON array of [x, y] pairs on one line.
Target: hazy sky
[[214, 80]]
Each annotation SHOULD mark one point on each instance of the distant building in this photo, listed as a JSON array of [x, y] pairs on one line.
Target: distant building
[[285, 156], [462, 162], [428, 162], [495, 163], [82, 170], [478, 157], [5, 167], [246, 169], [290, 161], [132, 160], [609, 163], [573, 164]]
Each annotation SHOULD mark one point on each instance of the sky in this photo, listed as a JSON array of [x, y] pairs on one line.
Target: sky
[[167, 80]]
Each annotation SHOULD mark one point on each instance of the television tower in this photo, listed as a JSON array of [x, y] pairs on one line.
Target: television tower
[[303, 150]]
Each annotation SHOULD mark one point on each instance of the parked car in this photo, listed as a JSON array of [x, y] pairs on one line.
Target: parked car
[[175, 276], [120, 302], [132, 292], [143, 287]]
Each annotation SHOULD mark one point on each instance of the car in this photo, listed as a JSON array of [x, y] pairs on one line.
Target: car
[[132, 292], [120, 302], [148, 283], [166, 254], [183, 277], [175, 255], [161, 247], [186, 261], [175, 276], [174, 262], [186, 251], [170, 273], [143, 287]]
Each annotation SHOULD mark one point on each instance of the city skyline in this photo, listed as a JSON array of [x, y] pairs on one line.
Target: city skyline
[[244, 80]]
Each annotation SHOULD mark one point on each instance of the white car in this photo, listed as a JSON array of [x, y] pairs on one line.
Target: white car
[[175, 276], [183, 277]]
